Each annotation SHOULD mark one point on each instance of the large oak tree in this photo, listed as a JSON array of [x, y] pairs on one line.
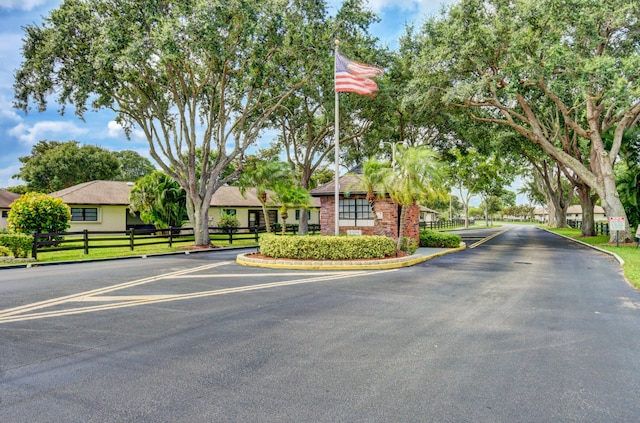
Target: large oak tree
[[191, 74], [543, 68]]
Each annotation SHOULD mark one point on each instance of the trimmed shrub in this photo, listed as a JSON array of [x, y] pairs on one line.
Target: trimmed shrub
[[319, 247], [4, 251], [435, 239], [229, 221], [19, 245], [409, 245], [34, 212]]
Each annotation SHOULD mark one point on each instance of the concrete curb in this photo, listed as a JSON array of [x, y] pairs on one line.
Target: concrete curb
[[382, 264], [611, 253], [30, 264]]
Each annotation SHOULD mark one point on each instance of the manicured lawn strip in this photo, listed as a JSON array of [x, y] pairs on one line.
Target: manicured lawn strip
[[630, 254]]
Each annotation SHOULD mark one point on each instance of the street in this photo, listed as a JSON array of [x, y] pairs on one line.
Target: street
[[525, 327]]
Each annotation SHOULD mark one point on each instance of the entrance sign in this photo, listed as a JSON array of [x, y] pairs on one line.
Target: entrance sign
[[616, 223]]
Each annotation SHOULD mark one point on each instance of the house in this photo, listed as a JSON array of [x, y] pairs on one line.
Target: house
[[104, 206], [428, 215], [229, 199], [355, 214], [6, 198], [575, 213], [99, 206]]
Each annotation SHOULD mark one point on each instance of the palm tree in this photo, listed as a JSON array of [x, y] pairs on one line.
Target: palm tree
[[264, 176], [416, 178], [290, 197], [371, 181]]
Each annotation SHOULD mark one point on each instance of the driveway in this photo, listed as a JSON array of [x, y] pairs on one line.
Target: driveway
[[524, 327]]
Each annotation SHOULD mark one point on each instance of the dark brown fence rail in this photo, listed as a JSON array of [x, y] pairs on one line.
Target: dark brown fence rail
[[132, 238], [442, 224]]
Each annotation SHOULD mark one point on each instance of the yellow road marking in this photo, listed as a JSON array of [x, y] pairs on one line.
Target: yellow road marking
[[135, 300], [490, 237]]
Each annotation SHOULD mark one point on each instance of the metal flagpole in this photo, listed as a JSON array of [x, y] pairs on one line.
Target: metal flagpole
[[336, 147]]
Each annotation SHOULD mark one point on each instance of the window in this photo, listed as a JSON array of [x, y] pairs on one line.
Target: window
[[355, 209], [84, 215], [298, 214], [5, 214], [230, 212]]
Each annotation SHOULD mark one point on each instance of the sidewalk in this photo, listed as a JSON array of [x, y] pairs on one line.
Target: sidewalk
[[421, 255]]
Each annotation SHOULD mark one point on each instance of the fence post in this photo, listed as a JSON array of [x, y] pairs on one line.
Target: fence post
[[230, 231], [85, 236], [131, 238], [171, 236], [34, 248], [255, 231]]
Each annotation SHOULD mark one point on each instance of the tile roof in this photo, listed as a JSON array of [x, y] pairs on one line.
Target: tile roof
[[117, 193], [6, 198], [347, 183], [96, 192]]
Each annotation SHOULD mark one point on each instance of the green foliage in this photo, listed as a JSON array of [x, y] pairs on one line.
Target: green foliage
[[19, 245], [228, 221], [133, 166], [54, 165], [34, 212], [160, 200], [4, 251], [320, 247], [435, 239], [409, 245]]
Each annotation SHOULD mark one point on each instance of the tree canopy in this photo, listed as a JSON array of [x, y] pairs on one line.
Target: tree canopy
[[190, 74], [546, 69]]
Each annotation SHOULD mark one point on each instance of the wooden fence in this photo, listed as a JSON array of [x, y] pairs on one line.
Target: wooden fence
[[442, 224], [601, 228], [132, 238]]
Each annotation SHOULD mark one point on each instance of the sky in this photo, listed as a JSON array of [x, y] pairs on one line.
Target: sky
[[20, 131]]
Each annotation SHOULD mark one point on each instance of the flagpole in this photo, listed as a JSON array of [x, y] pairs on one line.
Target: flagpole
[[336, 147]]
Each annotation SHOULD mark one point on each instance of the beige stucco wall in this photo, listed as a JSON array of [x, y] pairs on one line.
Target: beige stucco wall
[[243, 215], [110, 218], [3, 220]]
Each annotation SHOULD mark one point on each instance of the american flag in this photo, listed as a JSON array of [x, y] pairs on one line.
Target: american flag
[[355, 77]]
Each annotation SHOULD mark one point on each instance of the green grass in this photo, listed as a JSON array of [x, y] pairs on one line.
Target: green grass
[[105, 249], [630, 254]]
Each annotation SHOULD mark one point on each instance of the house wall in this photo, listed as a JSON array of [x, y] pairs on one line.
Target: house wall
[[110, 218], [3, 219], [243, 215]]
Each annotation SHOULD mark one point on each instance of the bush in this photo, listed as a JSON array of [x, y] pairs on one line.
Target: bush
[[228, 221], [18, 244], [409, 245], [434, 239], [34, 212], [4, 251], [318, 247]]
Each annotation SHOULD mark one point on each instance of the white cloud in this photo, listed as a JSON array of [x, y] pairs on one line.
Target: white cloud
[[21, 4], [115, 130], [46, 130]]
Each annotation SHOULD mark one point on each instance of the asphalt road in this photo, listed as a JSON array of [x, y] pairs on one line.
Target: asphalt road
[[526, 327]]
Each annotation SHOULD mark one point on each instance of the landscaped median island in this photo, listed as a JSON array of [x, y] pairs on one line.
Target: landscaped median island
[[346, 251]]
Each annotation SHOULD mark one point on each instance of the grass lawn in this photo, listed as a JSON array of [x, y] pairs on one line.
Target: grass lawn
[[630, 254], [104, 249]]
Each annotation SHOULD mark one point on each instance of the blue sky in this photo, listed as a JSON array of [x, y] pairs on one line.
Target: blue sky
[[19, 131]]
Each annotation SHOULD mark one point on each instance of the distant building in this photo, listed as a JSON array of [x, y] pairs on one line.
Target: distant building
[[6, 198]]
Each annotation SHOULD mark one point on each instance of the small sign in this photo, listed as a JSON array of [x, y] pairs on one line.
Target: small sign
[[616, 223], [354, 232]]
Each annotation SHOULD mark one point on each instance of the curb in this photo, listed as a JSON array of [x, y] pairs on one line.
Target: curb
[[30, 264], [382, 264], [611, 253]]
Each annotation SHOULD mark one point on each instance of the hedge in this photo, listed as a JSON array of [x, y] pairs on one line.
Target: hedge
[[320, 247], [435, 239], [19, 244]]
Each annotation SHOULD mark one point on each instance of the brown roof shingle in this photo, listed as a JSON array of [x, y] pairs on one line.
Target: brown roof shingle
[[96, 192], [6, 198]]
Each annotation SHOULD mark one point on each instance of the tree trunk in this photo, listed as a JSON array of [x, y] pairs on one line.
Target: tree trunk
[[303, 223], [587, 205], [200, 223]]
